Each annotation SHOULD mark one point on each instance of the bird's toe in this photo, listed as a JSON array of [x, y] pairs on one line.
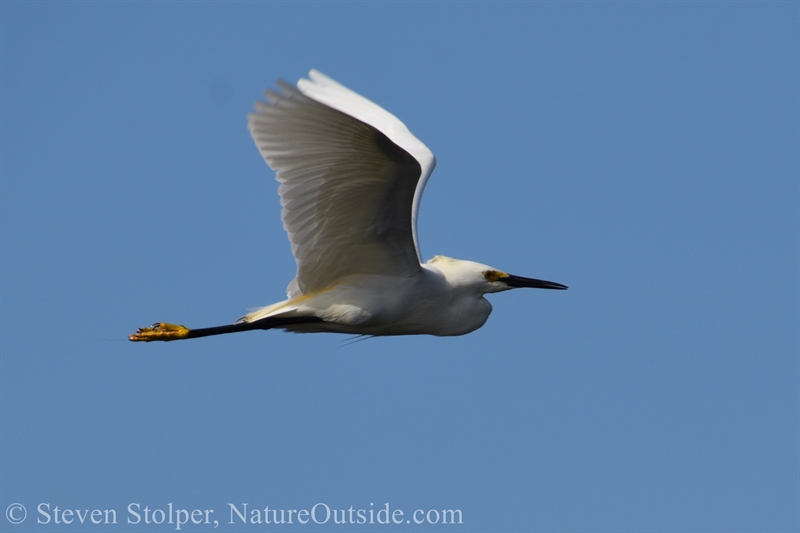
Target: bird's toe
[[161, 331]]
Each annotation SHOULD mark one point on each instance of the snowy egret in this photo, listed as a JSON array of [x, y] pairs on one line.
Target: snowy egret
[[351, 178]]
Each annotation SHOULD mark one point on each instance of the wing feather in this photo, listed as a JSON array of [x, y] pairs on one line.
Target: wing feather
[[350, 175]]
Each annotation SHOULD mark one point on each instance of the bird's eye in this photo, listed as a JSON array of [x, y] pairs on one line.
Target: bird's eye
[[494, 275]]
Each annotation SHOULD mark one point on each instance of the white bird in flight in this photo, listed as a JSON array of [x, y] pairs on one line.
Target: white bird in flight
[[351, 179]]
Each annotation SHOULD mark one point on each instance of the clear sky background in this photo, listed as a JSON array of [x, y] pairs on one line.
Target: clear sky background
[[645, 154]]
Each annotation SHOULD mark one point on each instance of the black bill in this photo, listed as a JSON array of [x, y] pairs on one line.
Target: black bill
[[519, 281]]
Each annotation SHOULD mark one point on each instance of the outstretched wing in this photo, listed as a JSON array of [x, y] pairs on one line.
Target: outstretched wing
[[351, 178]]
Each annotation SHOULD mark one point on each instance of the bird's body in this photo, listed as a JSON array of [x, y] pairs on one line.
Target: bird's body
[[352, 177], [425, 303]]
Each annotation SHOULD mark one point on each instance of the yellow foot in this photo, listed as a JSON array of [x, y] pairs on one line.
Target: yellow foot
[[160, 331]]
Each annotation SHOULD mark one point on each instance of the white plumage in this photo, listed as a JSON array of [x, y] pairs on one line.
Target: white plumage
[[351, 177]]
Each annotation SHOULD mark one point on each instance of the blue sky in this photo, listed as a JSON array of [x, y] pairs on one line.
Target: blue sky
[[645, 154]]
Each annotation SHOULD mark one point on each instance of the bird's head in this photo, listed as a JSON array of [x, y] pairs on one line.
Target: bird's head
[[483, 278]]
